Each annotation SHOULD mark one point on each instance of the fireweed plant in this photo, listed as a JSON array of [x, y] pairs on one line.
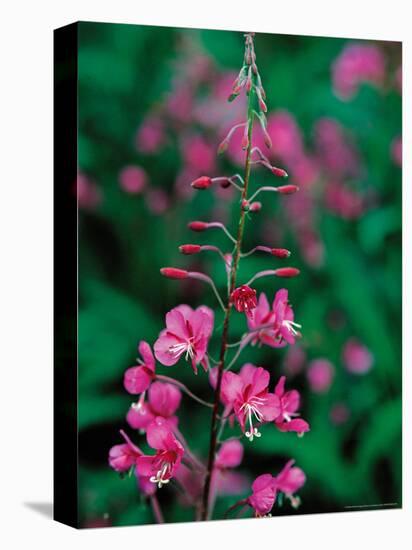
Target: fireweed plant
[[241, 398]]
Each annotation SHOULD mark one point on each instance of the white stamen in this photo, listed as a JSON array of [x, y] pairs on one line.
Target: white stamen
[[177, 349], [251, 409], [290, 326]]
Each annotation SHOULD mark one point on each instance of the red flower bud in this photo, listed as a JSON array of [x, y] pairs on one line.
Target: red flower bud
[[286, 272], [288, 189], [266, 137], [280, 252], [174, 273], [262, 105], [245, 205], [198, 226], [244, 299], [245, 140], [204, 182], [190, 248], [279, 172], [225, 183], [255, 206]]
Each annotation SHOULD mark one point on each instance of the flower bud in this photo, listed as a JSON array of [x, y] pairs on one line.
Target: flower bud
[[286, 272], [279, 172], [255, 206], [280, 252], [190, 248], [204, 182], [174, 273], [262, 105], [223, 145], [198, 226], [245, 205], [245, 138], [287, 189], [225, 183]]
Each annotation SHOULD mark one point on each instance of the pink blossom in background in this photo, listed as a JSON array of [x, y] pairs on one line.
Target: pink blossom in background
[[398, 79], [137, 379], [294, 360], [320, 375], [289, 403], [225, 480], [179, 104], [396, 151], [161, 467], [163, 400], [89, 195], [157, 200], [230, 454], [289, 481], [247, 392], [356, 64], [133, 179], [198, 154], [286, 137], [263, 495], [343, 201], [187, 333], [339, 414], [356, 357], [336, 154], [150, 136]]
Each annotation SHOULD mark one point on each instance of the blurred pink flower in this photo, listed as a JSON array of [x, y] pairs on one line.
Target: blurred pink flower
[[356, 357], [294, 360], [89, 195], [187, 332], [339, 413], [163, 400], [357, 63], [150, 137], [179, 104], [286, 137], [157, 200], [343, 201], [320, 375], [132, 179], [336, 155], [198, 154]]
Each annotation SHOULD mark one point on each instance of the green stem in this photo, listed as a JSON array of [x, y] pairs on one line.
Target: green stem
[[205, 512]]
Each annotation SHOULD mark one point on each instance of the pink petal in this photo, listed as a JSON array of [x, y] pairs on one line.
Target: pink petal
[[260, 380], [280, 386], [291, 401], [176, 323], [231, 388], [157, 434], [247, 372], [271, 407], [161, 349], [147, 355], [137, 379], [164, 398], [230, 454], [146, 465], [139, 419]]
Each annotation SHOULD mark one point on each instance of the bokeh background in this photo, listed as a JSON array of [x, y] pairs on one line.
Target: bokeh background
[[152, 110]]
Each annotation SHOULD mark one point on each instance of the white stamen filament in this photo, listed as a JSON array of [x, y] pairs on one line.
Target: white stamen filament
[[177, 349], [251, 409], [290, 326], [139, 405]]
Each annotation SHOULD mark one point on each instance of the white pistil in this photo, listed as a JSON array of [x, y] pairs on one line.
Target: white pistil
[[251, 410], [159, 477], [290, 326]]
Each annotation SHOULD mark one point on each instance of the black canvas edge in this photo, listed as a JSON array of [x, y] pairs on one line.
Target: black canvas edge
[[65, 507]]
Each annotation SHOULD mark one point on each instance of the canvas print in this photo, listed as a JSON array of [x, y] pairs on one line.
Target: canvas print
[[239, 275]]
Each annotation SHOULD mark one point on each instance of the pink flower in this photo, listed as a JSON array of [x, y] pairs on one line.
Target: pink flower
[[163, 401], [320, 375], [263, 495], [289, 481], [356, 357], [132, 179], [244, 300], [187, 332], [89, 194], [137, 379], [289, 403], [247, 392], [150, 136], [396, 150], [339, 414], [278, 321], [161, 467], [356, 64], [229, 455], [123, 457]]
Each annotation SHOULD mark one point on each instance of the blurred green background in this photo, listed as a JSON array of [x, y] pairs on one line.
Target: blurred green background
[[152, 110]]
